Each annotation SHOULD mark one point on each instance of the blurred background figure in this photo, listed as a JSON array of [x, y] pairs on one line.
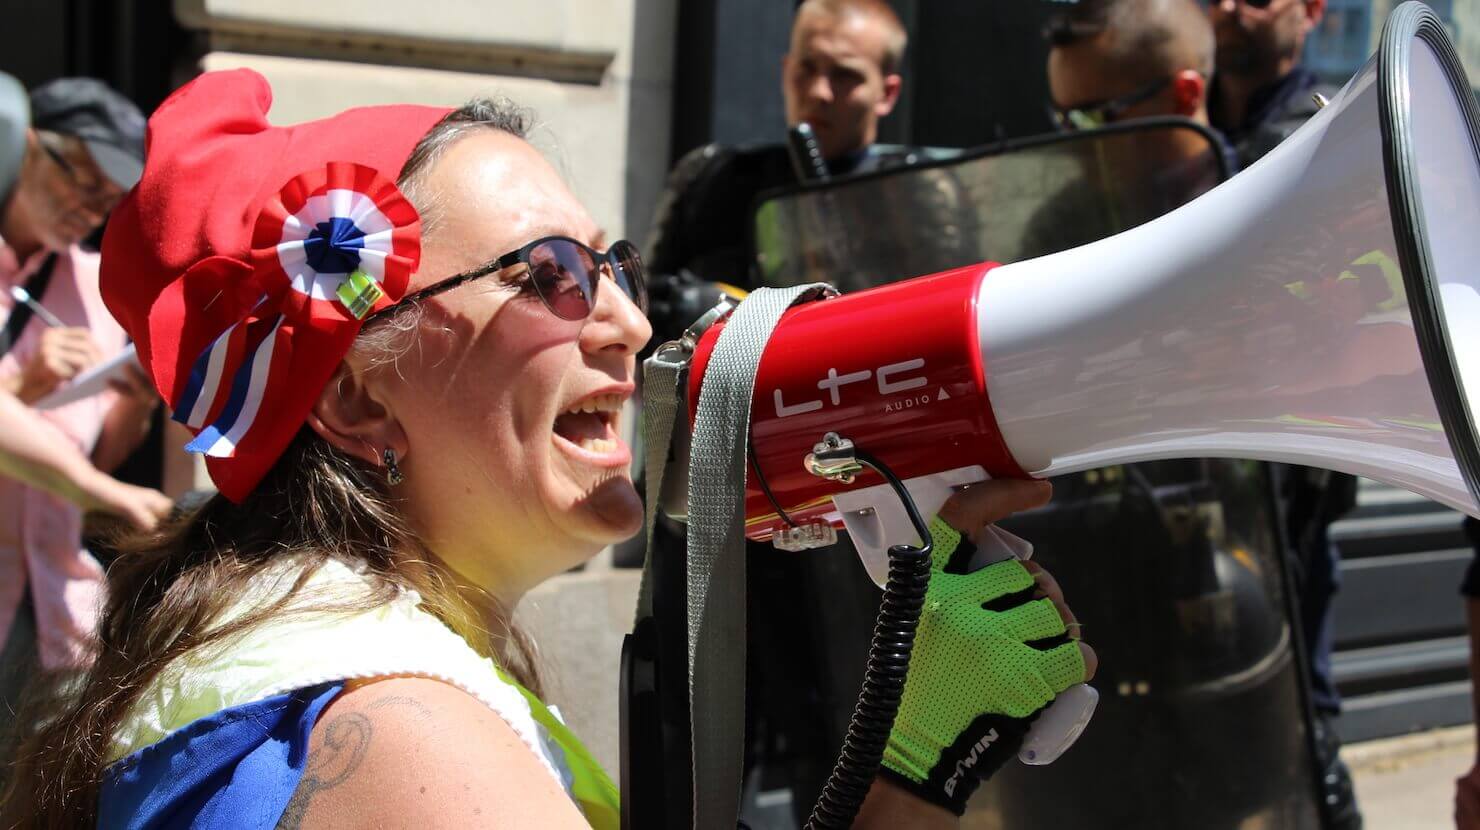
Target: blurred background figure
[[1118, 61], [82, 150], [841, 75], [1111, 62], [1261, 93]]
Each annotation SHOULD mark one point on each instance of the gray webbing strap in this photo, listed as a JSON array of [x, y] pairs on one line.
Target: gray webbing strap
[[662, 390], [716, 552]]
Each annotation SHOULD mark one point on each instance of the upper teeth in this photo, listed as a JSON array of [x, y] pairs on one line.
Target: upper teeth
[[598, 403]]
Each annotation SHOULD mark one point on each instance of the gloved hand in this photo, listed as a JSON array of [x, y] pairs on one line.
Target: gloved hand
[[988, 657]]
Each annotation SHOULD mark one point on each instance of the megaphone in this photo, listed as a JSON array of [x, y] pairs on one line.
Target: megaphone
[[1321, 308]]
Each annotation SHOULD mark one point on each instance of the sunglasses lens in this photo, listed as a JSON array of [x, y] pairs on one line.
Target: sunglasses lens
[[628, 273], [564, 275]]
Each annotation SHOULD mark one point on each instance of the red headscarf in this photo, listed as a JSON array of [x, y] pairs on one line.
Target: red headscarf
[[246, 257]]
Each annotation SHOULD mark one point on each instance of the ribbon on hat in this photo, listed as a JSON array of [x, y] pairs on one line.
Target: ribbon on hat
[[334, 245]]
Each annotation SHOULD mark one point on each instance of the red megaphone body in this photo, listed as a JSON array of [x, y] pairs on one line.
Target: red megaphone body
[[898, 370]]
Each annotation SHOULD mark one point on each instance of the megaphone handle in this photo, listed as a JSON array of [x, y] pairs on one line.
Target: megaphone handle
[[874, 517], [1060, 725]]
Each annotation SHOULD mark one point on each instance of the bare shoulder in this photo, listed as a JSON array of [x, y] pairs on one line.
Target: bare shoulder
[[413, 752]]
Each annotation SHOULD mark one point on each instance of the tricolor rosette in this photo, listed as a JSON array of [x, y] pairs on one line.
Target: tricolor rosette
[[333, 246]]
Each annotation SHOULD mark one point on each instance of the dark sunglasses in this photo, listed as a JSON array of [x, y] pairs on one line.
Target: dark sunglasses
[[563, 272], [1099, 113]]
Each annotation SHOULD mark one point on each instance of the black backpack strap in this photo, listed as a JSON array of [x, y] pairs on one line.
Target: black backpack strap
[[21, 314]]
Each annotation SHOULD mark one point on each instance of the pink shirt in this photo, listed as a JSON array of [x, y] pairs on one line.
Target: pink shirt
[[41, 534]]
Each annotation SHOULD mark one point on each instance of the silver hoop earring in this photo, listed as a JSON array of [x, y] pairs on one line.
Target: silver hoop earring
[[392, 472]]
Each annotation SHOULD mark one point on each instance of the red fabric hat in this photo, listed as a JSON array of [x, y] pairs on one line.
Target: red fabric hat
[[246, 257]]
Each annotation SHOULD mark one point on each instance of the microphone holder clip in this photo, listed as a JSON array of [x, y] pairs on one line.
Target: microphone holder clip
[[834, 458]]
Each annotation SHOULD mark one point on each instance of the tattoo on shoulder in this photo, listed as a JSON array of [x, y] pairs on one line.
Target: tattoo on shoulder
[[422, 712], [346, 738]]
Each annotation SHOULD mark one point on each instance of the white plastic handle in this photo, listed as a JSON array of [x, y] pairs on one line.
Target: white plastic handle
[[1061, 724]]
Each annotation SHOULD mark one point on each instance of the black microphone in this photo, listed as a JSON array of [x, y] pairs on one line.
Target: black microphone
[[806, 154]]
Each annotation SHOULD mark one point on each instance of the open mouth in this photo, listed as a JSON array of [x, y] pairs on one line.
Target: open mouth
[[591, 426]]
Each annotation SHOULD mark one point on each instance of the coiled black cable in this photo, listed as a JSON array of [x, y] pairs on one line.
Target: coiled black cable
[[888, 664]]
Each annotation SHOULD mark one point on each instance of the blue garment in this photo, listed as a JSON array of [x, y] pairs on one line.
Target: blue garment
[[235, 769], [1321, 580]]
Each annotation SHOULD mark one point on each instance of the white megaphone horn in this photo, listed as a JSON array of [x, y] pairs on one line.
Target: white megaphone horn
[[1321, 308]]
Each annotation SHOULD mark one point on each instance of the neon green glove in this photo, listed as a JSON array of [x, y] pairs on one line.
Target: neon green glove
[[988, 658]]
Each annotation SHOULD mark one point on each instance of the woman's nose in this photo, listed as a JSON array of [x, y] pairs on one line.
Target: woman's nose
[[616, 322]]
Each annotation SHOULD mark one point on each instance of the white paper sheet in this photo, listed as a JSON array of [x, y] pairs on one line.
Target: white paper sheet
[[91, 382]]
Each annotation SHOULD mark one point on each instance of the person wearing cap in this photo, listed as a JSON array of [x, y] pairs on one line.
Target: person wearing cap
[[81, 150], [403, 347]]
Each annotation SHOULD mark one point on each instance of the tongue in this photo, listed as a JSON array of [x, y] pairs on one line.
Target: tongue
[[575, 427]]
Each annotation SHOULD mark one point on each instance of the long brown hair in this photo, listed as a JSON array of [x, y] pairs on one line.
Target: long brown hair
[[169, 589]]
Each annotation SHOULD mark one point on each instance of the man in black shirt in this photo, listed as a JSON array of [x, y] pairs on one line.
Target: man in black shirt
[[1260, 93], [841, 76]]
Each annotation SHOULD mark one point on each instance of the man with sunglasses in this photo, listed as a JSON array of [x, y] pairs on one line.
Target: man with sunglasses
[[1261, 93], [82, 149], [1112, 61]]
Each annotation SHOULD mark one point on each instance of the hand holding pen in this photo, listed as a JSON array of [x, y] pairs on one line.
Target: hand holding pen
[[63, 353]]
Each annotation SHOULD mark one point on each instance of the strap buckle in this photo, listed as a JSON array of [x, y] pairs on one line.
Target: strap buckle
[[691, 335]]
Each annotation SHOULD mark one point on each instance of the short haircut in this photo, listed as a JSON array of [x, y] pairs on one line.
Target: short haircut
[[1149, 38], [895, 37]]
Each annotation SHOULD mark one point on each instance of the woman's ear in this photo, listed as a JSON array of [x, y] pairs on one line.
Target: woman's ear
[[353, 420]]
